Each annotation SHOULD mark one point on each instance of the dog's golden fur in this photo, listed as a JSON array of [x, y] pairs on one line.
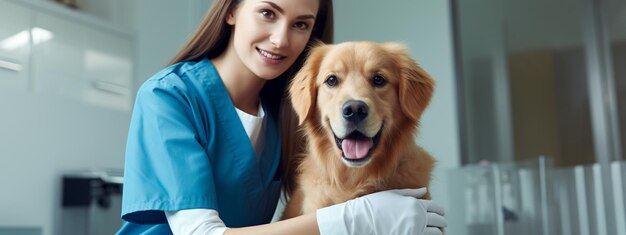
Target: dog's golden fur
[[325, 176]]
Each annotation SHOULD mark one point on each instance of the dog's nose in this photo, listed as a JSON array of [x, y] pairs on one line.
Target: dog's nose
[[354, 111]]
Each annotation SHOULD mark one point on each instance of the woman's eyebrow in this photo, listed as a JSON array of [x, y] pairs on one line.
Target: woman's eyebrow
[[279, 9]]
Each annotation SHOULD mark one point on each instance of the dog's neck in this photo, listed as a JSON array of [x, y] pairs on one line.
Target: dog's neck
[[333, 170]]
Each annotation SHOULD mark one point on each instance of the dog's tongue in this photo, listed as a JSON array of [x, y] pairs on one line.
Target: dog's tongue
[[356, 148]]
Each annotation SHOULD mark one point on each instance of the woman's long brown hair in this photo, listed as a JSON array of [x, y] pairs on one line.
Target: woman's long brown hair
[[211, 39]]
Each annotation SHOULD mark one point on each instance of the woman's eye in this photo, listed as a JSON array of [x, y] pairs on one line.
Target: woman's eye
[[267, 14], [331, 81], [379, 81], [301, 26]]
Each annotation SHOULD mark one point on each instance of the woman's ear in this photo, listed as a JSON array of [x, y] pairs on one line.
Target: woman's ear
[[416, 86], [230, 17], [302, 90]]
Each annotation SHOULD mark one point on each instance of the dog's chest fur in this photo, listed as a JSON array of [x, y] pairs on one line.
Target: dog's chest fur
[[321, 189]]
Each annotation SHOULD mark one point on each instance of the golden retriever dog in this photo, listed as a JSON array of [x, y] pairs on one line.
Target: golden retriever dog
[[359, 105]]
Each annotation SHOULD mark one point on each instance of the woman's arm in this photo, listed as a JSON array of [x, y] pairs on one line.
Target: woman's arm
[[391, 212], [302, 225], [207, 222]]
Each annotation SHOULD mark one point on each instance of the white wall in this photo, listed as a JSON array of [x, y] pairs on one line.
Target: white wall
[[425, 27], [161, 28]]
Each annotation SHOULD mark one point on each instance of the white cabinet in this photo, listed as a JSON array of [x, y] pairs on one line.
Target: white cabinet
[[15, 46], [50, 50], [118, 13], [82, 62]]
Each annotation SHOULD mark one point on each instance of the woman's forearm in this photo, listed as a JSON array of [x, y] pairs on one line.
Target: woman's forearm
[[302, 225]]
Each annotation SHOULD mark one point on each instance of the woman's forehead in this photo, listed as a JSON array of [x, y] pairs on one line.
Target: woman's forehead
[[291, 7]]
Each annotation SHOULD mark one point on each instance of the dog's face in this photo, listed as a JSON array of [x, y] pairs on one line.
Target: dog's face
[[360, 99]]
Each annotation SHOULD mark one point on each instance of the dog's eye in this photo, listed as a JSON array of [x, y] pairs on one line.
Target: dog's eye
[[379, 81], [331, 81]]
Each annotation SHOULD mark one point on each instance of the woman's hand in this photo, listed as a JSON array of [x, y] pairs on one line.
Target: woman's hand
[[398, 211]]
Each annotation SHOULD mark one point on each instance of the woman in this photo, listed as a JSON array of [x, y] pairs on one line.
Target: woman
[[204, 147]]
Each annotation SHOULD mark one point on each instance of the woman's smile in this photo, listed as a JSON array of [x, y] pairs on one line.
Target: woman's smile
[[270, 57]]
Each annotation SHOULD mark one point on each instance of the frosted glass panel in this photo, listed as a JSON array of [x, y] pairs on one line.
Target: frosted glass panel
[[499, 199], [534, 198], [480, 194], [616, 18]]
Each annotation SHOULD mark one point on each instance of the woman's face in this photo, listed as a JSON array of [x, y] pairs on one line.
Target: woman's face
[[269, 35]]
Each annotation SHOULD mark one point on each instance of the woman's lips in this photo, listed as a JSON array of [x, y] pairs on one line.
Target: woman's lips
[[270, 57]]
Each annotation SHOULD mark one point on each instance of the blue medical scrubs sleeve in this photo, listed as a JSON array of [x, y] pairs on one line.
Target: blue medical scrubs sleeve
[[166, 166]]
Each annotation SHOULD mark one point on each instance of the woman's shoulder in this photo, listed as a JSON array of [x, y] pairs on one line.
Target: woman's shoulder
[[176, 77]]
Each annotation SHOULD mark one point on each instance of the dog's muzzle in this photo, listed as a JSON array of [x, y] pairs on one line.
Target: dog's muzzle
[[357, 148]]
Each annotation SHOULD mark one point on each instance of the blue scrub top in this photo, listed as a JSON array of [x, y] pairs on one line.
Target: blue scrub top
[[187, 149]]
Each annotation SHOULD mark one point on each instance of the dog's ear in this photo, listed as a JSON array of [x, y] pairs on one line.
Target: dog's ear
[[302, 90], [416, 86]]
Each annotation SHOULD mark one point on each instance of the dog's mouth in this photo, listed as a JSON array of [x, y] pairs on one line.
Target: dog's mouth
[[357, 148]]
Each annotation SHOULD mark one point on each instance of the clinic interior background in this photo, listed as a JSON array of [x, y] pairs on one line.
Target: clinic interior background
[[68, 108], [68, 78]]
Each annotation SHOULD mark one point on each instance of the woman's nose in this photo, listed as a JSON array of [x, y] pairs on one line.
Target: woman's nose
[[279, 37]]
